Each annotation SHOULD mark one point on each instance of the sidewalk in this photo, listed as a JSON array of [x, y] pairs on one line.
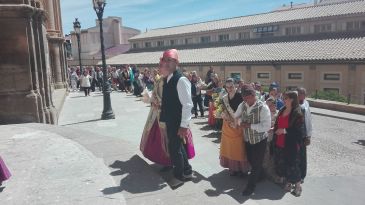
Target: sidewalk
[[49, 168], [338, 115]]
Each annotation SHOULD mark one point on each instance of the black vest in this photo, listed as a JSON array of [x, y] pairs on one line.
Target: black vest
[[171, 108]]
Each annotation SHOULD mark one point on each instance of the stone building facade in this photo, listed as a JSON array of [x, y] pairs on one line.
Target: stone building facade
[[319, 47], [115, 40], [32, 60]]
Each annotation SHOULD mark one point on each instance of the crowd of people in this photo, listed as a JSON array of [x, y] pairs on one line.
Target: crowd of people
[[264, 134], [123, 78]]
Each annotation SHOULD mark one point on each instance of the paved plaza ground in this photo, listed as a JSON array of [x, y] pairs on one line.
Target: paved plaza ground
[[88, 161]]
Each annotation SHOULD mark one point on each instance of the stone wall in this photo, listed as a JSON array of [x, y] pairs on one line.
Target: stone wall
[[28, 71]]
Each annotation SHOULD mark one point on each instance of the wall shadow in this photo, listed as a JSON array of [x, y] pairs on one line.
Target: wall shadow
[[138, 177], [76, 123]]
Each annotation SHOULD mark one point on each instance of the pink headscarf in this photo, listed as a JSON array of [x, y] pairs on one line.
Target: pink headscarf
[[172, 53]]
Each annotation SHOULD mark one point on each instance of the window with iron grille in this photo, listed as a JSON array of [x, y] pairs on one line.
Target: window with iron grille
[[333, 90], [135, 45], [244, 35], [160, 43], [223, 37], [205, 39], [188, 40], [147, 44], [263, 75], [290, 31], [332, 76], [322, 28], [173, 42], [295, 76]]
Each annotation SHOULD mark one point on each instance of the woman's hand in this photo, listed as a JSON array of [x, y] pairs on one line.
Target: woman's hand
[[280, 131]]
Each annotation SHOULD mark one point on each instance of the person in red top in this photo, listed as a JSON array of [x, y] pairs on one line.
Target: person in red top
[[288, 134]]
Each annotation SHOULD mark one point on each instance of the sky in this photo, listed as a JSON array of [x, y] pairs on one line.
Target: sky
[[150, 14]]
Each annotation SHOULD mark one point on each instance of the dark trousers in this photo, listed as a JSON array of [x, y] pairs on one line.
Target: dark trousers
[[255, 156], [198, 101], [93, 85], [177, 152], [303, 161], [86, 90]]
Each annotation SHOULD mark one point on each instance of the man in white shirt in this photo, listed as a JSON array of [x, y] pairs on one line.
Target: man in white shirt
[[255, 118], [308, 129], [176, 113]]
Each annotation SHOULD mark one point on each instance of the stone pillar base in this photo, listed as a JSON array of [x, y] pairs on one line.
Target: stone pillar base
[[59, 85]]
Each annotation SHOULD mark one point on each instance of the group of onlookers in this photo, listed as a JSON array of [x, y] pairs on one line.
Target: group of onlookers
[[124, 78]]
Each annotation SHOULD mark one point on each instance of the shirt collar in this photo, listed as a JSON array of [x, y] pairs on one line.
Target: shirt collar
[[252, 105], [169, 77]]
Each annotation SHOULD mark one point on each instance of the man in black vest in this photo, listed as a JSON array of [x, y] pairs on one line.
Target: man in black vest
[[176, 113]]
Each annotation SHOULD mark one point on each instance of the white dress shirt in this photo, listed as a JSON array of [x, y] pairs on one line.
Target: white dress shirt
[[184, 93], [265, 117], [307, 118]]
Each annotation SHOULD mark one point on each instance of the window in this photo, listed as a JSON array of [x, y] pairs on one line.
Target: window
[[135, 45], [263, 75], [331, 76], [236, 76], [147, 44], [332, 90], [173, 42], [205, 39], [266, 29], [160, 43], [295, 76], [322, 28], [290, 31], [244, 35], [223, 37], [355, 25], [188, 40], [291, 88]]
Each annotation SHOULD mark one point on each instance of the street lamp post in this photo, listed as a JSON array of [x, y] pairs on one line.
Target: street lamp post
[[107, 114], [77, 28]]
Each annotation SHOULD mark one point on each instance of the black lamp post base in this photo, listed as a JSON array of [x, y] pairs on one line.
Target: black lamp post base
[[108, 115]]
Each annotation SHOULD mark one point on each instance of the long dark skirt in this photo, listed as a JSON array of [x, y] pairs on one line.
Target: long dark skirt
[[289, 170]]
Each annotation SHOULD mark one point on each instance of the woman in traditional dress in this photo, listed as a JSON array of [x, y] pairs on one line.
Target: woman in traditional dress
[[4, 172], [288, 140], [154, 141], [232, 152], [213, 88]]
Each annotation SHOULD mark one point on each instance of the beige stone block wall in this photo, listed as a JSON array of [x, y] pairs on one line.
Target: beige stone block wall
[[341, 84], [360, 83], [256, 69], [241, 70], [285, 82]]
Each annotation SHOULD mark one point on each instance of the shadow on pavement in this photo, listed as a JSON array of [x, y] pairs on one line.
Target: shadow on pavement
[[137, 179], [167, 175], [81, 96], [1, 189], [360, 142], [222, 183], [76, 123], [214, 135], [201, 123]]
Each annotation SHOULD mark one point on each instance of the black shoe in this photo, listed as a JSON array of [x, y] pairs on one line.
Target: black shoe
[[248, 191], [175, 183]]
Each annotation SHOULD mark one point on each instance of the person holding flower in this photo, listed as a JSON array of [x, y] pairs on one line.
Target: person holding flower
[[232, 152]]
